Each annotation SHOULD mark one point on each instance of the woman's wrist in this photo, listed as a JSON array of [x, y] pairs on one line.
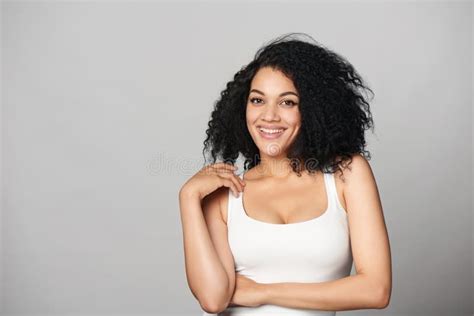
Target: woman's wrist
[[264, 289], [186, 194]]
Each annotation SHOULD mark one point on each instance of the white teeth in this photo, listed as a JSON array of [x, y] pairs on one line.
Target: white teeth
[[271, 131]]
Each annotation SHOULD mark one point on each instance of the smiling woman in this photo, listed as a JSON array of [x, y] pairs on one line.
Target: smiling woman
[[298, 116], [272, 115]]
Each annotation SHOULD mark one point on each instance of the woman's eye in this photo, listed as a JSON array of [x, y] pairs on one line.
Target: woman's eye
[[291, 102], [252, 99], [287, 102]]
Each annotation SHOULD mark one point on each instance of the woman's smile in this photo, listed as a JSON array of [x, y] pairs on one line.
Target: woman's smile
[[270, 133]]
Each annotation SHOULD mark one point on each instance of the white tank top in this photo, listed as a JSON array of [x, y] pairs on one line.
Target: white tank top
[[316, 250]]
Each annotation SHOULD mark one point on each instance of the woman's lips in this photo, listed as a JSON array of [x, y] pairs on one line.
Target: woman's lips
[[270, 135]]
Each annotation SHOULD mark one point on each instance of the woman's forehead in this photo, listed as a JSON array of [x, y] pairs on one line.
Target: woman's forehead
[[271, 83]]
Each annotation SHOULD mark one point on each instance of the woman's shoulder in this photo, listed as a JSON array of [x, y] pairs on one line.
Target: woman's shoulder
[[222, 194]]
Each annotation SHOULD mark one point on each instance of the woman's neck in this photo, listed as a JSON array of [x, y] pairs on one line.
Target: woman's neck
[[274, 167]]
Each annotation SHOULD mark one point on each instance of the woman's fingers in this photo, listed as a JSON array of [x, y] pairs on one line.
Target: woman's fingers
[[221, 165], [227, 171], [231, 171], [231, 185], [234, 181]]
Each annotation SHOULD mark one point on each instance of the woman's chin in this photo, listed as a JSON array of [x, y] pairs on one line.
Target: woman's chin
[[273, 149]]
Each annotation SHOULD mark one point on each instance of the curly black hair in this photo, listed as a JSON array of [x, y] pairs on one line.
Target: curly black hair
[[334, 112]]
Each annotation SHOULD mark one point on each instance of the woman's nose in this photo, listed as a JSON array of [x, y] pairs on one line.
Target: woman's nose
[[271, 112]]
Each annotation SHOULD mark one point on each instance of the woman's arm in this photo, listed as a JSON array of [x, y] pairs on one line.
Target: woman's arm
[[348, 293], [209, 265]]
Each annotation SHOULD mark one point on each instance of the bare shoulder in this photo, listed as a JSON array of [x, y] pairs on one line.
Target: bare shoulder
[[215, 204], [358, 170], [360, 187]]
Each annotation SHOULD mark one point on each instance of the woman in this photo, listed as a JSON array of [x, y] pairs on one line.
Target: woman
[[282, 236]]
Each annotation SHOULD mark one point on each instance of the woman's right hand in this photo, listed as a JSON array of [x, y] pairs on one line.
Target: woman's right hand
[[212, 177]]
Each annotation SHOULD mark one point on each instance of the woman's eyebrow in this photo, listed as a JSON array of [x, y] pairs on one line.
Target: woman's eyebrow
[[283, 94]]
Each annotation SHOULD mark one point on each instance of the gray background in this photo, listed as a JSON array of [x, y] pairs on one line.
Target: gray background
[[104, 110]]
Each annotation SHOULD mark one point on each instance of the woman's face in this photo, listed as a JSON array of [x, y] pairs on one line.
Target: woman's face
[[272, 115]]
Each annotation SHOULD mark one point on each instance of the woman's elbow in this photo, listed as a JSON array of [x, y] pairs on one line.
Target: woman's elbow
[[214, 305], [383, 299]]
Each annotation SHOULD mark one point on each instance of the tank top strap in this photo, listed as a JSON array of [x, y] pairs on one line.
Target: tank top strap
[[232, 206], [332, 192]]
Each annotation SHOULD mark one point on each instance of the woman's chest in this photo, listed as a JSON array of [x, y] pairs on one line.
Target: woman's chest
[[293, 252]]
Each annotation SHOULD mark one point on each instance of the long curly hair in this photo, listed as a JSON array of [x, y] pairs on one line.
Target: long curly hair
[[334, 111]]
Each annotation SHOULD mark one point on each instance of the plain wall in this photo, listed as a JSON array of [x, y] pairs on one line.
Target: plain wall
[[104, 111]]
